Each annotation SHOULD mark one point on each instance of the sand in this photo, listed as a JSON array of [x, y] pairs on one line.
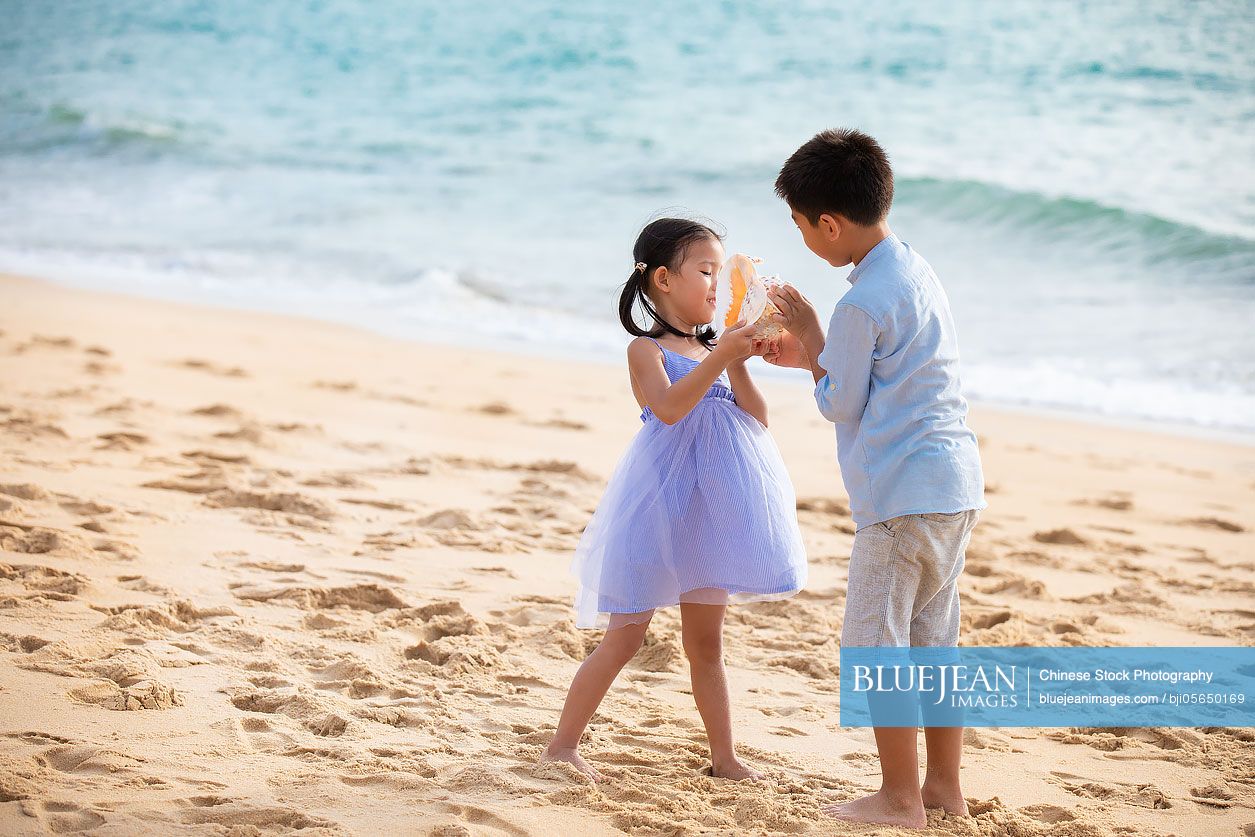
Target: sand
[[262, 574]]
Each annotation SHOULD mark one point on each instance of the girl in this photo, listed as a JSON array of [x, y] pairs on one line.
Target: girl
[[700, 511]]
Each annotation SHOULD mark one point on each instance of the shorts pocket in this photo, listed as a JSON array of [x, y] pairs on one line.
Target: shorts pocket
[[890, 526], [945, 517]]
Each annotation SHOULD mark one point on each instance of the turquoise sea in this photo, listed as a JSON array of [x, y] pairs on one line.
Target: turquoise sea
[[1081, 175]]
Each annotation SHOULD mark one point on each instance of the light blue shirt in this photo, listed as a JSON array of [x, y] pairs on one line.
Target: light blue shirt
[[892, 390]]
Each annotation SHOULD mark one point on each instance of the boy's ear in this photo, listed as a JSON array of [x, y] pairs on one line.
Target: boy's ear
[[830, 226]]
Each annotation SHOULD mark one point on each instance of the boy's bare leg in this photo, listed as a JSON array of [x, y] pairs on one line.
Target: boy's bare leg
[[941, 775], [898, 801], [702, 627], [589, 687]]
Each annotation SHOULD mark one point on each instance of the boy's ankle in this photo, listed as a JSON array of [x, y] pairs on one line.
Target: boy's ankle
[[908, 795], [940, 782]]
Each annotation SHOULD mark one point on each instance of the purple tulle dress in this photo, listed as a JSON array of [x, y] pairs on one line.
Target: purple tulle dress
[[699, 511]]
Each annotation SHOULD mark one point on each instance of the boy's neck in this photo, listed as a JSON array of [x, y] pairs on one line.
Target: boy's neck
[[865, 238]]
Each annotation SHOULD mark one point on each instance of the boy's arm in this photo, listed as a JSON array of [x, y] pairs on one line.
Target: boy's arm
[[841, 364], [846, 363]]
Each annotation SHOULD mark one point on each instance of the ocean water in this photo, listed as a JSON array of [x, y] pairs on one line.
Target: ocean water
[[1081, 175]]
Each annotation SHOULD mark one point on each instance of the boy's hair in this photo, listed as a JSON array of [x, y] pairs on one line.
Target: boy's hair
[[842, 172], [663, 242]]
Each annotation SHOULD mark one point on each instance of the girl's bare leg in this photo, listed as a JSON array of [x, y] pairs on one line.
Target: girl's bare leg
[[703, 645], [589, 687]]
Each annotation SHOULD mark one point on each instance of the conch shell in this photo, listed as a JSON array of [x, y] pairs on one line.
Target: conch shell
[[741, 294]]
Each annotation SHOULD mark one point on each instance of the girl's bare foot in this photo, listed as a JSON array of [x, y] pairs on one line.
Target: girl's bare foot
[[733, 769], [572, 757], [879, 807], [938, 795]]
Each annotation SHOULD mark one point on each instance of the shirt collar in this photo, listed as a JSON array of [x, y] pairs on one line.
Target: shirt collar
[[889, 242]]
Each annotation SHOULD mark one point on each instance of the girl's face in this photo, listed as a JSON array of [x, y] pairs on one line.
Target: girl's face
[[689, 291]]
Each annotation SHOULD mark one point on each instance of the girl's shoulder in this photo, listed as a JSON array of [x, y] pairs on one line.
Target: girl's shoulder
[[643, 348]]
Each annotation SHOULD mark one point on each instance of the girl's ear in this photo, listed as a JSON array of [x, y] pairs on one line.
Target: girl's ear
[[662, 280]]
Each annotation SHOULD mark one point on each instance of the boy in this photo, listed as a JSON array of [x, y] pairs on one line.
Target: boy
[[887, 376]]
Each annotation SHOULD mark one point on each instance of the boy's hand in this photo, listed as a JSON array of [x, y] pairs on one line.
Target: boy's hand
[[787, 350], [797, 314]]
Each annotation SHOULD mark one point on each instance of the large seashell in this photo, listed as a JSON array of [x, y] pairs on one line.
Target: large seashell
[[741, 294]]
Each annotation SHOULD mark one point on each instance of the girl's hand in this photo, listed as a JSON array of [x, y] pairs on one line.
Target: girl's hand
[[739, 342], [797, 314]]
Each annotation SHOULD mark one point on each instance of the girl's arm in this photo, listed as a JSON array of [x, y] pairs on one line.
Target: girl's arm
[[748, 396], [672, 402]]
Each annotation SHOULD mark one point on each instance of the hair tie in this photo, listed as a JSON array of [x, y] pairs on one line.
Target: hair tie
[[641, 266]]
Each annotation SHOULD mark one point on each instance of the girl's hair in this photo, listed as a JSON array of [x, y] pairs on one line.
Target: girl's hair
[[663, 243]]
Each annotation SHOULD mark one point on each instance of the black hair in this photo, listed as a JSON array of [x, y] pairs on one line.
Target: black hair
[[663, 242], [843, 172]]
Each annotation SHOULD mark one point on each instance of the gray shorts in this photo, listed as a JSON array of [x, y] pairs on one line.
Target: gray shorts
[[903, 587]]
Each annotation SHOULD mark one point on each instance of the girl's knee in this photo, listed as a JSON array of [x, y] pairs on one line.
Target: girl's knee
[[706, 648], [621, 644]]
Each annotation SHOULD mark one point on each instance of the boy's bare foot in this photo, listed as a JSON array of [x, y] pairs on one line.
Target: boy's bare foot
[[937, 795], [572, 757], [881, 808], [733, 769]]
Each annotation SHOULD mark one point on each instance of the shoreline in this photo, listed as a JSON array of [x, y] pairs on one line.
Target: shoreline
[[264, 571], [763, 373]]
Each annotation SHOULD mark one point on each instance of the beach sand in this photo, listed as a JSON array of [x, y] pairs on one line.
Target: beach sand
[[262, 574]]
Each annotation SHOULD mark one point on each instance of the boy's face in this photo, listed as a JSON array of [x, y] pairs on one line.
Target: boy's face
[[823, 238]]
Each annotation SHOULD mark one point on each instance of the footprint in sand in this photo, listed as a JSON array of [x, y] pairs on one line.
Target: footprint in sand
[[336, 479], [34, 582], [495, 408], [384, 505], [159, 621], [281, 501], [562, 424], [250, 432], [1065, 537], [1116, 502], [203, 457], [1051, 814], [26, 644], [75, 505], [212, 368], [63, 817], [30, 427], [317, 713], [371, 597], [218, 411], [121, 440], [337, 386], [241, 816], [43, 341], [988, 620], [256, 734], [98, 368], [120, 679], [1017, 585], [823, 505], [1214, 523]]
